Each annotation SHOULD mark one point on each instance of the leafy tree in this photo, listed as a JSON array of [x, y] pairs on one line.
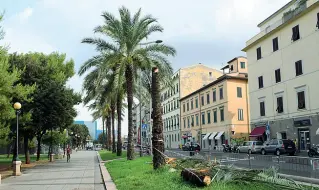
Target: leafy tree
[[79, 134], [125, 51], [53, 103], [11, 91], [100, 138]]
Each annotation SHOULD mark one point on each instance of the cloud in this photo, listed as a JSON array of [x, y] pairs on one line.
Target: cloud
[[25, 14]]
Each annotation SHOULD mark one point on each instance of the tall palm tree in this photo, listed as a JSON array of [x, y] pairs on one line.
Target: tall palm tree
[[124, 50]]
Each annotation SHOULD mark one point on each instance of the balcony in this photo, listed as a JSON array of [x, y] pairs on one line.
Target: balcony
[[287, 16]]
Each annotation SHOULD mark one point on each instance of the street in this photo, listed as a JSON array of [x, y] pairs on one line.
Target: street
[[82, 173], [290, 165]]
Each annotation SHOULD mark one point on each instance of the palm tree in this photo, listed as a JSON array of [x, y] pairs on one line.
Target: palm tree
[[126, 52]]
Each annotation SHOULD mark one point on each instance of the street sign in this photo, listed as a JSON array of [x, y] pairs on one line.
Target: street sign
[[144, 126]]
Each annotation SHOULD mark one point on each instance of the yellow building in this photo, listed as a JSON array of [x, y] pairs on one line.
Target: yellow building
[[218, 111]]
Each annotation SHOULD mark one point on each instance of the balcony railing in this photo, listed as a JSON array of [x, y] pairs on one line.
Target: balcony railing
[[288, 15]]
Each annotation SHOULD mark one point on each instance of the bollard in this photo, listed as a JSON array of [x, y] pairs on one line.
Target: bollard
[[0, 179], [249, 160]]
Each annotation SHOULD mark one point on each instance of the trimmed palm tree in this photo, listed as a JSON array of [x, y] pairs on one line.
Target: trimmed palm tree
[[124, 50]]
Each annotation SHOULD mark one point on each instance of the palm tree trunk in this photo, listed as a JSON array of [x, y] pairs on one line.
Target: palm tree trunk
[[119, 128], [157, 132], [113, 128], [109, 137], [103, 126], [129, 84]]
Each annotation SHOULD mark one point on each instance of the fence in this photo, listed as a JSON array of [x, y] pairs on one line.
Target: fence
[[290, 165]]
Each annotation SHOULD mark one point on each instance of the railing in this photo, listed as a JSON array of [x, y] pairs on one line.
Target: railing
[[286, 17]]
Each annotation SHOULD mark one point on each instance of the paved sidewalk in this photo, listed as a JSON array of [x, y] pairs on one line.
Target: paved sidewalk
[[82, 173]]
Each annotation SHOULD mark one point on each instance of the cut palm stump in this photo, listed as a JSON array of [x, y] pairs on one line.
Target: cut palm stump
[[199, 178]]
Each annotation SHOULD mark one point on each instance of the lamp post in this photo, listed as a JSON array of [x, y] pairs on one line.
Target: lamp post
[[16, 160], [140, 97]]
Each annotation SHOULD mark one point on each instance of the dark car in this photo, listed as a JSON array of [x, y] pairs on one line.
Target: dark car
[[279, 146], [191, 146]]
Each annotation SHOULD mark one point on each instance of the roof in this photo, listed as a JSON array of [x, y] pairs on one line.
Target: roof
[[236, 59], [226, 67], [275, 13], [218, 80]]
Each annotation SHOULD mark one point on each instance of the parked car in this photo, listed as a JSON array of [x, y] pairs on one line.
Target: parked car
[[251, 147], [278, 146], [187, 146]]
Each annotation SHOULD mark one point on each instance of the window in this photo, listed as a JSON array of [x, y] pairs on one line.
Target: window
[[202, 100], [203, 118], [177, 103], [239, 93], [231, 67], [283, 135], [275, 46], [317, 21], [221, 114], [208, 117], [262, 108], [196, 102], [187, 106], [177, 120], [193, 121], [183, 107], [277, 75], [184, 123], [298, 66], [207, 96], [258, 53], [260, 82], [188, 122], [240, 114], [221, 93], [197, 120], [192, 104], [280, 105], [176, 87], [242, 65], [295, 33], [215, 116], [301, 100], [214, 95], [210, 74]]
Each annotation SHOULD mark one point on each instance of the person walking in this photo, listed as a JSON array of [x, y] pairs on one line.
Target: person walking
[[68, 152]]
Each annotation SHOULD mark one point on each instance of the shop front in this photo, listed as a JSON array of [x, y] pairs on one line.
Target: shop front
[[213, 140], [187, 137]]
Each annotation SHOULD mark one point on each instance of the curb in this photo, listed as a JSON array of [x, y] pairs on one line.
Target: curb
[[312, 181], [108, 182]]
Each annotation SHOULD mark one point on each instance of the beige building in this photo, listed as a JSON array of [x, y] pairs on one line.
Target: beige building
[[283, 74], [217, 112], [184, 81]]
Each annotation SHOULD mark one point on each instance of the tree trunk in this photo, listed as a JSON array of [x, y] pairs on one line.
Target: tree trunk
[[129, 84], [9, 149], [157, 132], [103, 136], [39, 147], [113, 127], [26, 149], [119, 128], [109, 137]]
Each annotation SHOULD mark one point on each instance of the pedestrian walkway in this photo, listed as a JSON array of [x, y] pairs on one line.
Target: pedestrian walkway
[[82, 173]]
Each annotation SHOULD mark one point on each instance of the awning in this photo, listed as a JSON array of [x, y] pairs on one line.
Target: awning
[[219, 135], [184, 136], [206, 136], [212, 136], [258, 131]]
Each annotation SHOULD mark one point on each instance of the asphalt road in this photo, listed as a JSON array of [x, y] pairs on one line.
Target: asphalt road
[[290, 165]]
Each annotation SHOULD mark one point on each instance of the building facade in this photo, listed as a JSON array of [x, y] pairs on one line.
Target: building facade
[[92, 126], [144, 114], [219, 111], [283, 75], [184, 82]]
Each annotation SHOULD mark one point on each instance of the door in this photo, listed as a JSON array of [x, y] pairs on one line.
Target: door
[[304, 140], [268, 146], [244, 148]]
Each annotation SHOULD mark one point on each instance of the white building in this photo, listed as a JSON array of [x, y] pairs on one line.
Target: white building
[[283, 66], [184, 82]]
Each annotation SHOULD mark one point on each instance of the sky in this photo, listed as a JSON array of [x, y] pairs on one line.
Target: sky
[[210, 32]]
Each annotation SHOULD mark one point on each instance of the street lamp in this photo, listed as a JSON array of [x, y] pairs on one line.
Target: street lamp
[[152, 42], [16, 160]]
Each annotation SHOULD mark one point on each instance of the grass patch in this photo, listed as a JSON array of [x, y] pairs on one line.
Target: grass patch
[[33, 158], [138, 174], [108, 155]]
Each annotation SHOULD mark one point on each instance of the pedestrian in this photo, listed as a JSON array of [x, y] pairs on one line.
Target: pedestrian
[[68, 152]]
